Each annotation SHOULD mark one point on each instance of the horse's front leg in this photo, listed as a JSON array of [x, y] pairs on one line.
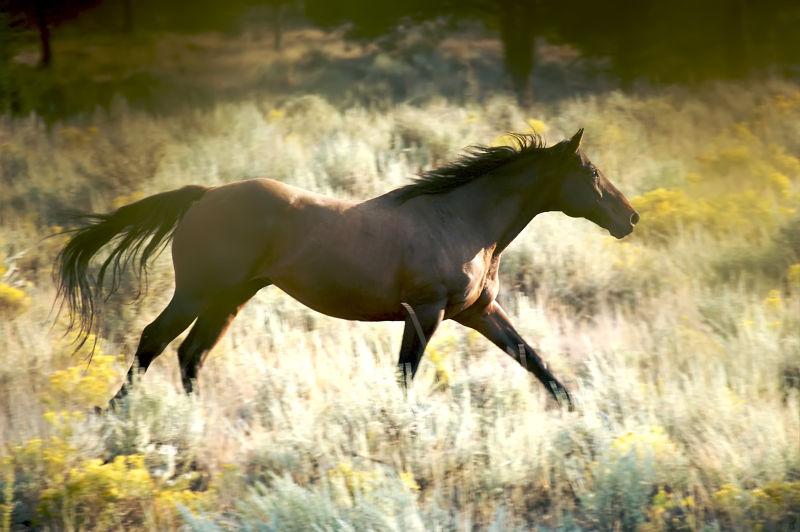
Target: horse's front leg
[[493, 323], [421, 322]]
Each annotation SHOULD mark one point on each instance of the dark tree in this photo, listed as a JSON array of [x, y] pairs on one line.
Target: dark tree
[[278, 12], [43, 16], [668, 41], [43, 25], [128, 24], [662, 41], [516, 22]]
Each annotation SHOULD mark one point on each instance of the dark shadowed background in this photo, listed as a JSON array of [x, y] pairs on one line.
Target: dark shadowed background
[[61, 57]]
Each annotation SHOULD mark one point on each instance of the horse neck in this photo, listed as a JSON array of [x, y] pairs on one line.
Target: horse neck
[[498, 207]]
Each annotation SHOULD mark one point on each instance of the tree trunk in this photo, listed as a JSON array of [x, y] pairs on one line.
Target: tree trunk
[[127, 16], [517, 36], [738, 45], [277, 27], [46, 52]]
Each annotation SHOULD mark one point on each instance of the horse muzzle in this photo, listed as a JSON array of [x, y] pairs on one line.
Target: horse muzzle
[[621, 228]]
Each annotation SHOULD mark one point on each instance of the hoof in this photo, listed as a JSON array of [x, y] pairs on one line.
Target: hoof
[[570, 406], [561, 396], [564, 399]]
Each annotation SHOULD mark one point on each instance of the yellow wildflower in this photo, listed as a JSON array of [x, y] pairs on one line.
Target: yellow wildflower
[[12, 300], [773, 302], [793, 275], [274, 115], [407, 478], [537, 126], [653, 440]]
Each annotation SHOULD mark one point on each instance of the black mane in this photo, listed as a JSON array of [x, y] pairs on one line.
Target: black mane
[[476, 162]]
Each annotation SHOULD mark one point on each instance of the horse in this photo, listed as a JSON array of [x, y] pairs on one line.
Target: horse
[[422, 253]]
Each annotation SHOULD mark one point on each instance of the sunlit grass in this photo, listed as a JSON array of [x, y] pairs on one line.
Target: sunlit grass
[[680, 343]]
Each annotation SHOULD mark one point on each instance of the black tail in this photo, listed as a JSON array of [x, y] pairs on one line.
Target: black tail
[[142, 229]]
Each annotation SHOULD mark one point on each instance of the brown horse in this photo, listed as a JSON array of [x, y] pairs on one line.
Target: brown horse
[[423, 253]]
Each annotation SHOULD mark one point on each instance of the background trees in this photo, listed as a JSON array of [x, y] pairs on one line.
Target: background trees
[[655, 41]]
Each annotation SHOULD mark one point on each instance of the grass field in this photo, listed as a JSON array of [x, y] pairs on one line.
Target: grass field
[[680, 343]]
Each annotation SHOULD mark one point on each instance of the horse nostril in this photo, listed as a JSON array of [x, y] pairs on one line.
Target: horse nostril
[[634, 218]]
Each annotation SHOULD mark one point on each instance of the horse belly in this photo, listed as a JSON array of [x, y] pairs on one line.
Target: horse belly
[[343, 262], [355, 298], [356, 281]]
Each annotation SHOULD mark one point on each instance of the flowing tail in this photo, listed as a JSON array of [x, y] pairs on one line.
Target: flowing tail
[[141, 230]]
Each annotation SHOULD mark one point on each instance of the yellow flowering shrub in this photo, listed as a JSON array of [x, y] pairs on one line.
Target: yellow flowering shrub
[[438, 352], [82, 386], [793, 277], [731, 499], [504, 140], [652, 440], [670, 511], [665, 212], [352, 479], [274, 114], [100, 495], [13, 301], [778, 502], [93, 493], [62, 485], [741, 187], [787, 102], [534, 126], [635, 463], [629, 257], [773, 302], [408, 480], [537, 126], [775, 505], [125, 199]]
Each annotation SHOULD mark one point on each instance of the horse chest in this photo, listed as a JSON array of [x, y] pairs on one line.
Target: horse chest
[[477, 284]]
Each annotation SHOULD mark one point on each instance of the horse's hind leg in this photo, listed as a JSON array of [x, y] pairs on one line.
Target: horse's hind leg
[[173, 320], [209, 328]]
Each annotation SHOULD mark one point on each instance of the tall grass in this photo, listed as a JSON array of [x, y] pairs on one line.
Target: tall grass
[[680, 343]]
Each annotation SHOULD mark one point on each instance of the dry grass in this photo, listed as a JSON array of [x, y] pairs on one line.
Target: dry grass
[[681, 343]]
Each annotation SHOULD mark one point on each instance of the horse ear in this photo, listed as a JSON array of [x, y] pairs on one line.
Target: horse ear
[[575, 142]]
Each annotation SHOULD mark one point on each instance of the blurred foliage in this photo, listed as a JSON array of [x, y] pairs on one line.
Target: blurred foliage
[[54, 484], [13, 300], [6, 52], [657, 41], [775, 506], [740, 187]]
